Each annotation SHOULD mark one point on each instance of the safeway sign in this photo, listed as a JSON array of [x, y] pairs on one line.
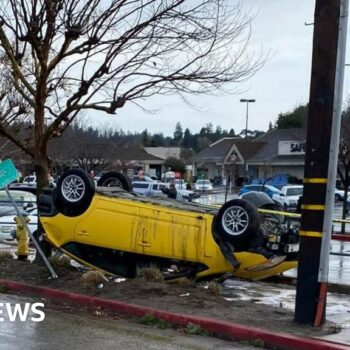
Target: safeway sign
[[8, 173], [291, 148]]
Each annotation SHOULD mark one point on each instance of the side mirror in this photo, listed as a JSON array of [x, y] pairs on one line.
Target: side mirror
[[27, 206]]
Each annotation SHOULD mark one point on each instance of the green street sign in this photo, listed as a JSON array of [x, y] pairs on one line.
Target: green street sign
[[8, 173]]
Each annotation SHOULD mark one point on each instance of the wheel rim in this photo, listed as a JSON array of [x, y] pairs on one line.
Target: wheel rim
[[112, 182], [73, 188], [235, 220]]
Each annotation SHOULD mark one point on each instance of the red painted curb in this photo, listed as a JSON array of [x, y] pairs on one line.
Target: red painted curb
[[283, 341]]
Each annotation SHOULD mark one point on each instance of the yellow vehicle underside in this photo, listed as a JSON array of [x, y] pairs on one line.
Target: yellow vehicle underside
[[147, 228]]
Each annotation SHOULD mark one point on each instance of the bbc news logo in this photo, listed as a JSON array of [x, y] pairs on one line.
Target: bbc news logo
[[22, 312]]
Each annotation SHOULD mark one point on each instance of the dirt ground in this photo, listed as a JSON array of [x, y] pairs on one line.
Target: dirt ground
[[191, 299]]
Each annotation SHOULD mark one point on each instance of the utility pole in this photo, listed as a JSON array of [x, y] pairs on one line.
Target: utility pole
[[321, 111]]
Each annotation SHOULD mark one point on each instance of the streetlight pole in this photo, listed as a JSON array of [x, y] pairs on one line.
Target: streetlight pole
[[247, 101]]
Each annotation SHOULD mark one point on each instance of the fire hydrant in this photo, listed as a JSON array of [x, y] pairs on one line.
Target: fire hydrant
[[22, 237]]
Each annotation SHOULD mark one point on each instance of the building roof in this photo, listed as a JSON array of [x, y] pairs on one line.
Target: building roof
[[269, 152], [164, 152], [135, 153], [219, 150], [148, 153]]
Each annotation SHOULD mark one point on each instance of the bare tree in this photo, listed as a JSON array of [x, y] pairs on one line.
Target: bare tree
[[59, 57], [9, 150]]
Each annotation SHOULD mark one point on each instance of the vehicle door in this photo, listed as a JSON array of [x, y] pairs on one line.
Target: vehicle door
[[111, 224], [170, 233]]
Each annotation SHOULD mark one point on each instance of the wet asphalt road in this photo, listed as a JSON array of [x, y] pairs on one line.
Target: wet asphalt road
[[82, 331]]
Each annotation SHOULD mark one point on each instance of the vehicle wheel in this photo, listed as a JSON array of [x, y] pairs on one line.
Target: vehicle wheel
[[337, 197], [74, 192], [115, 179], [237, 220], [285, 207]]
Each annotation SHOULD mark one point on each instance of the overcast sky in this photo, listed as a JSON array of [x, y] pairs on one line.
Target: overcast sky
[[282, 84]]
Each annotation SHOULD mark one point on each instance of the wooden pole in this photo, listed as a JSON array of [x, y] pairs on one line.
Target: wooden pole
[[324, 59]]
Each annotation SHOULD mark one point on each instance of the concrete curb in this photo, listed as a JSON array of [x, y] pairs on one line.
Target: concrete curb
[[283, 341]]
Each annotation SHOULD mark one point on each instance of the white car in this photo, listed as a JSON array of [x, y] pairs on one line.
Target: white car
[[31, 180], [289, 196], [339, 194], [203, 185], [8, 226], [23, 199], [180, 184], [149, 188]]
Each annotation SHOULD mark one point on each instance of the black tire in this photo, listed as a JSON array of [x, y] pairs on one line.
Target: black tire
[[115, 179], [237, 221], [74, 192]]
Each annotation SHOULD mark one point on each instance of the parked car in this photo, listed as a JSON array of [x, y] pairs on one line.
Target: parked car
[[268, 189], [149, 188], [339, 194], [8, 226], [18, 186], [203, 185], [158, 189], [31, 180], [23, 199], [180, 184], [289, 196], [119, 232]]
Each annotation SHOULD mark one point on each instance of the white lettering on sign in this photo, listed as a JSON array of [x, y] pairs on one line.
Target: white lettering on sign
[[290, 148], [23, 312]]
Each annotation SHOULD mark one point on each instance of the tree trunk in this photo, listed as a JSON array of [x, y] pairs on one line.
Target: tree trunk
[[41, 164]]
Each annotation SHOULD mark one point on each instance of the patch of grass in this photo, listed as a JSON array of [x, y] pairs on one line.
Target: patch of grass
[[150, 273], [3, 289], [214, 288], [93, 278], [60, 261], [5, 255], [151, 320], [258, 343], [195, 329]]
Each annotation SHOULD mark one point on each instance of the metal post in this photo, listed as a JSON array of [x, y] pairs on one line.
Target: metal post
[[47, 263], [247, 101], [246, 123], [333, 159]]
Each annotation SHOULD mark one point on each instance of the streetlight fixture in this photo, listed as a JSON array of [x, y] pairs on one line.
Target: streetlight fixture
[[247, 101]]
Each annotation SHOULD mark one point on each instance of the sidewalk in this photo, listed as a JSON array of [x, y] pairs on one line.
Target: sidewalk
[[283, 298], [278, 340]]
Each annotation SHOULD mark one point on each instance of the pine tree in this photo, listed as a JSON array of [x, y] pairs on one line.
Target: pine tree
[[178, 134]]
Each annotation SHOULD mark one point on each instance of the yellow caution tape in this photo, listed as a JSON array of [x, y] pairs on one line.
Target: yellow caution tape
[[284, 213], [294, 215]]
